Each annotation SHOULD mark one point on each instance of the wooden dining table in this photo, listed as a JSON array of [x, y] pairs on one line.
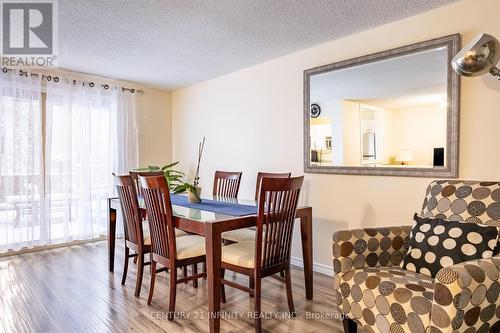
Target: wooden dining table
[[211, 225]]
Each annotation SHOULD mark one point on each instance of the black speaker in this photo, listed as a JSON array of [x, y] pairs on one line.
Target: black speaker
[[314, 156], [438, 157]]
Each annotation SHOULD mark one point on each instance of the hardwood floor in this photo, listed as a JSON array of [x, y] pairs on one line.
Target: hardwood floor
[[70, 290]]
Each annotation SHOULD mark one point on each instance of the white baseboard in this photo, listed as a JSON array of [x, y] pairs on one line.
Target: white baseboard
[[319, 268]]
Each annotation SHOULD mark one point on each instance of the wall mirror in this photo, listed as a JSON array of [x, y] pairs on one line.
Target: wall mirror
[[391, 113]]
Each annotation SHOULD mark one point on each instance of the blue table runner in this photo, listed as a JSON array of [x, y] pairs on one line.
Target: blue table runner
[[226, 208]]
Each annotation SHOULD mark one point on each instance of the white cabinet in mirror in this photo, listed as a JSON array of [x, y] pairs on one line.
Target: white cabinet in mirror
[[390, 113]]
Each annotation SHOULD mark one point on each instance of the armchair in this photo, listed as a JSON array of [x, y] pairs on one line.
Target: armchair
[[372, 290]]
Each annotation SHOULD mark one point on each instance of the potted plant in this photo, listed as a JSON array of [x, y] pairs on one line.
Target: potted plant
[[175, 181], [174, 177], [194, 189]]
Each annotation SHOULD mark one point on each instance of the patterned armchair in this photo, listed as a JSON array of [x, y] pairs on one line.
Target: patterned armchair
[[372, 290]]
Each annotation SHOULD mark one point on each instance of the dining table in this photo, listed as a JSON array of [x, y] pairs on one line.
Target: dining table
[[211, 225]]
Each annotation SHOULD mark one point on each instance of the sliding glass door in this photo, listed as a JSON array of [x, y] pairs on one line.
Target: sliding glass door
[[79, 159], [58, 149], [21, 164]]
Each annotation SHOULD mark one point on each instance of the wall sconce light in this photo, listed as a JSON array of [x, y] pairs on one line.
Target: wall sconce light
[[479, 56]]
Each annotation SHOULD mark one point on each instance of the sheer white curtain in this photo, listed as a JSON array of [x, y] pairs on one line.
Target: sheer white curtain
[[127, 138], [91, 132], [21, 167], [58, 149], [126, 132]]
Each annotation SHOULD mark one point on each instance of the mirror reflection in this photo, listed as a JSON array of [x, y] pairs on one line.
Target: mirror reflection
[[387, 113]]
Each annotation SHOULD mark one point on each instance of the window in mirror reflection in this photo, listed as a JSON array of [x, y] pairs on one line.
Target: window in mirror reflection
[[386, 113]]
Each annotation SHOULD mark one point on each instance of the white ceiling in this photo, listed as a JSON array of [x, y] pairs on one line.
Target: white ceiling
[[174, 43], [411, 80]]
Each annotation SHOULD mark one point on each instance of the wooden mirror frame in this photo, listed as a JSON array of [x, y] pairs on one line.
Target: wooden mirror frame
[[450, 170]]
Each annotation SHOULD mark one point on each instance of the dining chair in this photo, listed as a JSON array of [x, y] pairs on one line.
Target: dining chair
[[261, 175], [135, 239], [135, 176], [226, 184], [269, 253], [248, 234], [169, 251]]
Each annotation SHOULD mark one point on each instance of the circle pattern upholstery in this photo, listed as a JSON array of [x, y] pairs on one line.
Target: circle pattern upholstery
[[370, 288], [470, 201], [446, 243], [387, 299]]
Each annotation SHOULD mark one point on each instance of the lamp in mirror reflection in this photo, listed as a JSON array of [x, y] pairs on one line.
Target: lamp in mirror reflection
[[404, 156], [478, 57]]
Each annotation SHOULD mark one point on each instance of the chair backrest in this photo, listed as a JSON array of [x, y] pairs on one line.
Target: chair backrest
[[261, 175], [227, 184], [135, 177], [132, 222], [276, 210], [160, 218], [460, 200]]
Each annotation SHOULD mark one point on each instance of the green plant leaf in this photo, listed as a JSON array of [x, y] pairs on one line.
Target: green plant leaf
[[168, 166], [174, 172], [181, 188], [174, 177], [149, 168]]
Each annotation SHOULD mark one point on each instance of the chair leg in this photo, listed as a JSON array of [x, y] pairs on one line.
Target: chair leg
[[185, 272], [222, 287], [173, 290], [349, 325], [251, 284], [282, 274], [135, 259], [140, 272], [204, 270], [125, 266], [257, 305], [152, 282], [289, 295], [195, 271]]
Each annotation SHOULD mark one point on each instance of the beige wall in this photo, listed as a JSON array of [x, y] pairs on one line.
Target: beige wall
[[252, 119], [154, 115], [351, 125], [419, 129]]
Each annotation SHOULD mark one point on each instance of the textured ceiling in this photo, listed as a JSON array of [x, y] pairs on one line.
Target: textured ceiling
[[175, 43]]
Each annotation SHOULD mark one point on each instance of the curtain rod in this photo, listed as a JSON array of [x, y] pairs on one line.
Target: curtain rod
[[56, 79]]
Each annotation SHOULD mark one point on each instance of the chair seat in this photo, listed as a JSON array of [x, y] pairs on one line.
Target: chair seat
[[240, 235], [390, 298], [145, 230], [240, 254], [190, 246]]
